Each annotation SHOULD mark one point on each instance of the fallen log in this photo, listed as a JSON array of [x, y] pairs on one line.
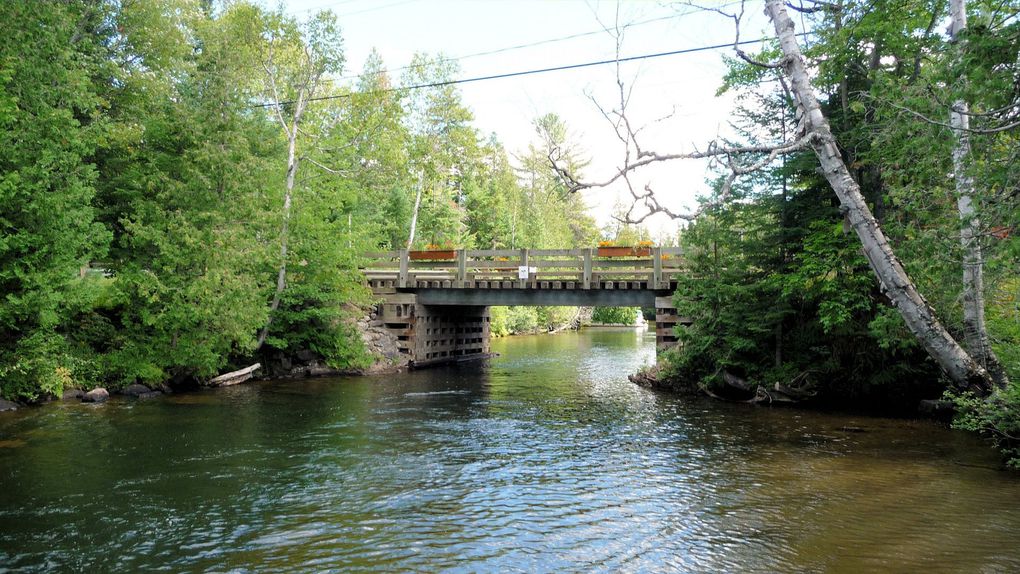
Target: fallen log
[[234, 377], [736, 382]]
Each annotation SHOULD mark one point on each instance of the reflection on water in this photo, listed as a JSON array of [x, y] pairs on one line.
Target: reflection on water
[[544, 459]]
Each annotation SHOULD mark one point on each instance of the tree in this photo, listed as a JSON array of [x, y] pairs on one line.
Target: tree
[[813, 132], [554, 216], [444, 150], [51, 123], [975, 329], [917, 314], [296, 62], [371, 147], [182, 189]]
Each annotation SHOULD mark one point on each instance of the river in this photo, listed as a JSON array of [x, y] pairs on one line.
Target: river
[[545, 459]]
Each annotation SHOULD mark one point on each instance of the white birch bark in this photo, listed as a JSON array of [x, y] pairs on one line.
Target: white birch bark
[[974, 328], [414, 215], [920, 318], [292, 128], [285, 231]]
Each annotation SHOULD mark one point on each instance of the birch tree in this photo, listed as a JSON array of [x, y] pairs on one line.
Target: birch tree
[[814, 133], [919, 317], [296, 63], [975, 329]]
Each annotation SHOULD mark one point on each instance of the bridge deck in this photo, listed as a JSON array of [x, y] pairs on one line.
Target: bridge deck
[[638, 269]]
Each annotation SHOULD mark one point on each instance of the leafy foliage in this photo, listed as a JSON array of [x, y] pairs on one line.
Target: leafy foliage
[[141, 182], [615, 315], [50, 123]]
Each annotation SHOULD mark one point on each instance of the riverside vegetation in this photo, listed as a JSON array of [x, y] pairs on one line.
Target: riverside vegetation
[[185, 186], [781, 294], [176, 201]]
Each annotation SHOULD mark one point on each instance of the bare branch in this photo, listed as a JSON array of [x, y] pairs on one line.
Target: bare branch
[[737, 18], [714, 150], [817, 6], [979, 131], [323, 167]]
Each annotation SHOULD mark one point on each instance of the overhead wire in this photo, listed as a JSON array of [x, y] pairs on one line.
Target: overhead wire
[[512, 48], [529, 72]]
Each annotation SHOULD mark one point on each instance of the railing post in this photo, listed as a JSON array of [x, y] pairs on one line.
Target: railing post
[[402, 278], [587, 268], [461, 268], [523, 283], [656, 267]]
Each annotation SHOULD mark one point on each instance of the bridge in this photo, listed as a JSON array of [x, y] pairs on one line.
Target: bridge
[[437, 303]]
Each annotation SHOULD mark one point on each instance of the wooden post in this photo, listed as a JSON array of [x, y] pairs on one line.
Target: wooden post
[[461, 268], [656, 267], [402, 278], [523, 283], [587, 268]]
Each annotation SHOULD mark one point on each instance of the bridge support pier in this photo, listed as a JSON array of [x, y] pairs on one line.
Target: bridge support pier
[[666, 321], [432, 334]]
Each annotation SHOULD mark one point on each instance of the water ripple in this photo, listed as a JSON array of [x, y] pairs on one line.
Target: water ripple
[[543, 460]]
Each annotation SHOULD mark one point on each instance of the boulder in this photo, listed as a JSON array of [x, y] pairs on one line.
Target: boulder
[[150, 394], [96, 395], [72, 394], [319, 370], [135, 390], [937, 408], [7, 406]]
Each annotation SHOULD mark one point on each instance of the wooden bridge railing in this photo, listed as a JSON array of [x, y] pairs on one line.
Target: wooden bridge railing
[[645, 268]]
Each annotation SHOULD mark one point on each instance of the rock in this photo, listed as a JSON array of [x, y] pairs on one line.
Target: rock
[[96, 395], [72, 394], [8, 406], [305, 355], [937, 408], [150, 394], [316, 370], [135, 390]]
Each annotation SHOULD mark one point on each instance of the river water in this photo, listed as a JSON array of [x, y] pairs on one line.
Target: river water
[[545, 459]]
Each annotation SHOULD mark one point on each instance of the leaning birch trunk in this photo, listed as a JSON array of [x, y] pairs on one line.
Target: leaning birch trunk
[[917, 314], [414, 215], [291, 130], [974, 328], [281, 275]]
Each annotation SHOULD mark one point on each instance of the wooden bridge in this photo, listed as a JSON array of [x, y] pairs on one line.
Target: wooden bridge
[[437, 302]]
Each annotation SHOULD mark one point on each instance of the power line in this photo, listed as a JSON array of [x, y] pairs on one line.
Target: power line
[[531, 72], [332, 5], [511, 48]]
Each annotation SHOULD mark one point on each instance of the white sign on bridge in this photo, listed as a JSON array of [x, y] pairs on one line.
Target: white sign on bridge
[[523, 271]]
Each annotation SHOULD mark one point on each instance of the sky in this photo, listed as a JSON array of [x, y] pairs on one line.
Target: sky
[[564, 32]]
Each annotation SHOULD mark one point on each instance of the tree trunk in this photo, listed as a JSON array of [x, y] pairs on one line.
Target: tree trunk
[[281, 276], [414, 215], [918, 315], [974, 330]]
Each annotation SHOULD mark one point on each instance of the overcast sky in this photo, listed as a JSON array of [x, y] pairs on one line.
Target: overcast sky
[[565, 32]]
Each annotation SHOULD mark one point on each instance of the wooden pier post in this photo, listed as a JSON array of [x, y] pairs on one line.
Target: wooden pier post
[[656, 267], [523, 283], [587, 268], [402, 278], [461, 268]]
